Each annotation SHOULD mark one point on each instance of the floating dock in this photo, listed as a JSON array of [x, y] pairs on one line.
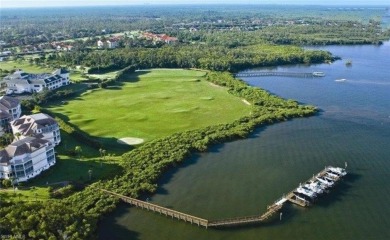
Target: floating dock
[[271, 210], [280, 74]]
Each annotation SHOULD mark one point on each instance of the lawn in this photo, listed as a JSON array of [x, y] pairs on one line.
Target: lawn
[[25, 66], [152, 104]]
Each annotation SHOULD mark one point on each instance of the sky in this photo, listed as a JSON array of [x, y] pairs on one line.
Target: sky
[[51, 3]]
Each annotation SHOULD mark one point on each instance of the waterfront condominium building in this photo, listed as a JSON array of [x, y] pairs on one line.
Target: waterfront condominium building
[[26, 158], [38, 125], [22, 82], [9, 110]]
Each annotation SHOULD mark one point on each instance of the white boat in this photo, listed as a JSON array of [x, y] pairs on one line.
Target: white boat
[[303, 197], [318, 74], [315, 187], [338, 170], [332, 175], [306, 192], [325, 181], [340, 80]]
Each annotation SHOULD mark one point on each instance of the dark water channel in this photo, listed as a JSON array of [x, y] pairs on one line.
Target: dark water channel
[[242, 177]]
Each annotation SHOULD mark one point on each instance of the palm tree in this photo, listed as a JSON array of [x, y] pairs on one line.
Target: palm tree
[[12, 178], [17, 135], [78, 150], [90, 174], [102, 155]]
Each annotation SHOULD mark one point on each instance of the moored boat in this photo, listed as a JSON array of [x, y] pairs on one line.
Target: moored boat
[[303, 197], [325, 181], [338, 170]]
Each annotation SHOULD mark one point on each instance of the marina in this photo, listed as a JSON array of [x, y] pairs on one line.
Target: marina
[[305, 195]]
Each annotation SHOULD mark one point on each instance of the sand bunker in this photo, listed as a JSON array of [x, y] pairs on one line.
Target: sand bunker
[[246, 102], [130, 141]]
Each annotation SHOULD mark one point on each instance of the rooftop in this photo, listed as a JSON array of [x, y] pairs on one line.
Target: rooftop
[[28, 123], [20, 147]]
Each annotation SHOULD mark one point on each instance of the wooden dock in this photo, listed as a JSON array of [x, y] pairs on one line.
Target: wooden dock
[[162, 210], [278, 74], [271, 210], [246, 220]]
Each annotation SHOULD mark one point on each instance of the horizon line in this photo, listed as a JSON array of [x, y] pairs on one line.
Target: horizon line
[[197, 4]]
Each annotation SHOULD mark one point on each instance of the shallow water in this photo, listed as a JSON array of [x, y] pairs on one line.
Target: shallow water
[[242, 177]]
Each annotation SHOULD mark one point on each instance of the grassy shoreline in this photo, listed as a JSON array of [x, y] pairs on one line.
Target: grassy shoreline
[[145, 164]]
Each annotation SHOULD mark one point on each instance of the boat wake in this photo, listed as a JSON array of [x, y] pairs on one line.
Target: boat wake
[[363, 82]]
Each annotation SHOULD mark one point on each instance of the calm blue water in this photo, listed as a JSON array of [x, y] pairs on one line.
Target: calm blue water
[[242, 177]]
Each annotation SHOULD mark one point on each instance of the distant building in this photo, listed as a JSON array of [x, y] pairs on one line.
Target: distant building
[[21, 82], [169, 40], [26, 158], [112, 43], [100, 44], [37, 125], [159, 37], [5, 53], [9, 111]]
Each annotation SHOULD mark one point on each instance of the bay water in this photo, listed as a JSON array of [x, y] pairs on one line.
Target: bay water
[[242, 177]]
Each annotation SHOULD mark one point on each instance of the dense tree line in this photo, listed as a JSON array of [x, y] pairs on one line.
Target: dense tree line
[[330, 32], [217, 58], [56, 24]]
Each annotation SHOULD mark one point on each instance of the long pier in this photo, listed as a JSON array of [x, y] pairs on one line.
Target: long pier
[[162, 210], [271, 210], [280, 74]]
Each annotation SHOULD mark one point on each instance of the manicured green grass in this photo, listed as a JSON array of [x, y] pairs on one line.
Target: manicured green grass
[[25, 66], [76, 76], [152, 104], [76, 170], [70, 167]]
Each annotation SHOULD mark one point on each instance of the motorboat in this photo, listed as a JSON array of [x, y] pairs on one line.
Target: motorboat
[[338, 170], [309, 190], [315, 187], [306, 192], [303, 197], [318, 74], [340, 80], [329, 179], [332, 175], [325, 181], [297, 197]]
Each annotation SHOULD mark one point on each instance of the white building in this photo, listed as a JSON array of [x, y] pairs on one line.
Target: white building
[[26, 158], [100, 44], [38, 125], [9, 110], [112, 44], [21, 82]]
